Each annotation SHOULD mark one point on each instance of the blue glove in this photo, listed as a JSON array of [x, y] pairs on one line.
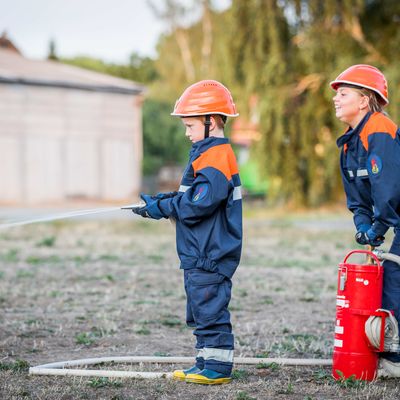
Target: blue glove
[[151, 209], [369, 237], [363, 228]]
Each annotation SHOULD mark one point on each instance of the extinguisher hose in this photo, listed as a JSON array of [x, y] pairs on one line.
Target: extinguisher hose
[[373, 324], [387, 256], [373, 332]]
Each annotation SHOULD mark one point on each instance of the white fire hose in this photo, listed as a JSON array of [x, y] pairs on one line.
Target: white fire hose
[[373, 323], [64, 367]]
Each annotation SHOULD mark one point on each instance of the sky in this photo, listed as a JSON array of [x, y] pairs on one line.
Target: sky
[[106, 29]]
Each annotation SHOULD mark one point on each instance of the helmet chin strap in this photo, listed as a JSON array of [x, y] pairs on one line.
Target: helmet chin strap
[[207, 124]]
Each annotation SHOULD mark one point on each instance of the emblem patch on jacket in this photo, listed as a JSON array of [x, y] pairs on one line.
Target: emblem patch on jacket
[[200, 192], [374, 164]]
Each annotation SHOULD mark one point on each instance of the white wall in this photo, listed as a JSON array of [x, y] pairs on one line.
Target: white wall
[[59, 143]]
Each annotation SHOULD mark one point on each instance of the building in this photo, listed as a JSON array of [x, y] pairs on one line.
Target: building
[[67, 133]]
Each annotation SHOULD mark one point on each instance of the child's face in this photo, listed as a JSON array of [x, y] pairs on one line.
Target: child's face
[[194, 128], [350, 105]]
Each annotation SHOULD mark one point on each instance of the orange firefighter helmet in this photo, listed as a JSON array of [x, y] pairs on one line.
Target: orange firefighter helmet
[[365, 76], [205, 98]]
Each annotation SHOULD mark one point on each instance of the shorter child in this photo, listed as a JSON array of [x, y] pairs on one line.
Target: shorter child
[[208, 214]]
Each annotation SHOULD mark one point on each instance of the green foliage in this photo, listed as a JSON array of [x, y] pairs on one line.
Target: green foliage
[[88, 338], [16, 366], [171, 321], [100, 382], [84, 338], [164, 141], [272, 366], [10, 256], [143, 331], [23, 273], [240, 374], [350, 382], [281, 53], [285, 53], [48, 241], [244, 396], [139, 69]]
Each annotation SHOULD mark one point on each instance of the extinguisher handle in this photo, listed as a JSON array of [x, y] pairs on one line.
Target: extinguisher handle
[[366, 252]]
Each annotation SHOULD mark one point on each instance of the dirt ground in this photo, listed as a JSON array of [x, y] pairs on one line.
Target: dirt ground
[[82, 289]]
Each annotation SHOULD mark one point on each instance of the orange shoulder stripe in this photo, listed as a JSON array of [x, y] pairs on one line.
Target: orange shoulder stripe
[[377, 122], [219, 157]]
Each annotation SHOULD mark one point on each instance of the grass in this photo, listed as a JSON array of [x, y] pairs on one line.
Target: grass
[[10, 256], [15, 366], [143, 331], [101, 382], [48, 241], [37, 260], [108, 257], [350, 382], [272, 366], [171, 321], [23, 273], [240, 374], [89, 338], [244, 396], [115, 314]]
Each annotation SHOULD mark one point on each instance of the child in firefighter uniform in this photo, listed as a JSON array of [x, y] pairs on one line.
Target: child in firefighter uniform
[[370, 167], [208, 214]]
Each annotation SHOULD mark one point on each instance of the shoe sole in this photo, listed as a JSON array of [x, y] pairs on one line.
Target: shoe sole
[[179, 376], [388, 369], [205, 381], [176, 378]]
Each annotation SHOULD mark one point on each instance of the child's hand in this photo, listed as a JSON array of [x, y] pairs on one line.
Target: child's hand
[[369, 237], [151, 209]]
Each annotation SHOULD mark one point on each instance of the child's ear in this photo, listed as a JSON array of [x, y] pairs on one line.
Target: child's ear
[[213, 123], [365, 102]]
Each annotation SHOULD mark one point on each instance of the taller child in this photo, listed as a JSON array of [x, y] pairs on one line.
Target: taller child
[[208, 213], [370, 166]]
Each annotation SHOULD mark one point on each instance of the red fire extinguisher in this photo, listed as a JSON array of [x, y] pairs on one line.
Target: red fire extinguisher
[[359, 296]]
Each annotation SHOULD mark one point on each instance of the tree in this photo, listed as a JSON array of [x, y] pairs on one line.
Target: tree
[[287, 52], [52, 50]]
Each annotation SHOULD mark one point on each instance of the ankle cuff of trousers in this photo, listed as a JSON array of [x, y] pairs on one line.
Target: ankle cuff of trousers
[[224, 368], [210, 353]]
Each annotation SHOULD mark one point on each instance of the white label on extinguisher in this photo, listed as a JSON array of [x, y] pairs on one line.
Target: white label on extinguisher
[[340, 303], [339, 329], [338, 343]]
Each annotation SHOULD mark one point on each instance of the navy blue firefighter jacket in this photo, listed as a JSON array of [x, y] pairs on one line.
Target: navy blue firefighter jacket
[[370, 167], [208, 209]]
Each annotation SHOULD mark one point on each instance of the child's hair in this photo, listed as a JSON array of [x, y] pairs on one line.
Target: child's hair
[[220, 120], [374, 101]]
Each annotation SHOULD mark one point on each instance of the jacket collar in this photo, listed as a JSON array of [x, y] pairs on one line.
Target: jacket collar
[[205, 144], [350, 133]]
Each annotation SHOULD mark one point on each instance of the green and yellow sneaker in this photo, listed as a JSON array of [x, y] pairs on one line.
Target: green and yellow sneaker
[[208, 377], [180, 374]]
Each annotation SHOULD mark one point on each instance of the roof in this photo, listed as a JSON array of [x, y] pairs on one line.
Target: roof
[[6, 43], [16, 69]]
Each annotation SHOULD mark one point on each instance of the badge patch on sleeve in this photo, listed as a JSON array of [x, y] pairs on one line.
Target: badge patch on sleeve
[[374, 164], [200, 193]]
